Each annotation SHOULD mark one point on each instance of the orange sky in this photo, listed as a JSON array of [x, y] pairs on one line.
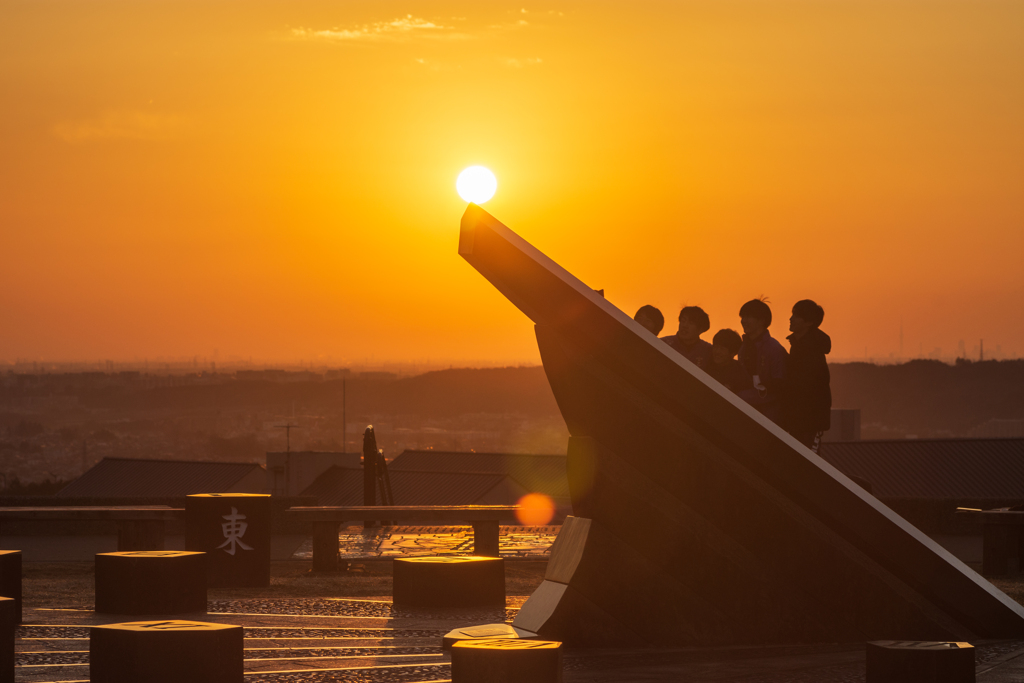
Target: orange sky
[[275, 180]]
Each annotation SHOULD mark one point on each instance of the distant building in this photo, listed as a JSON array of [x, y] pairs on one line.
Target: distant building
[[344, 486], [289, 473], [946, 469], [453, 478], [845, 426], [529, 473], [925, 480], [995, 429], [129, 478]]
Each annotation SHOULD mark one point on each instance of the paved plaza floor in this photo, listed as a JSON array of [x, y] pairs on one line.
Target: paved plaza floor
[[369, 641], [320, 638]]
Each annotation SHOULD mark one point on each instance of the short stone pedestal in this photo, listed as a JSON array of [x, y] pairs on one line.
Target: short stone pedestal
[[913, 661], [449, 582], [233, 529], [151, 582], [507, 660], [10, 579], [485, 631], [166, 652], [7, 626]]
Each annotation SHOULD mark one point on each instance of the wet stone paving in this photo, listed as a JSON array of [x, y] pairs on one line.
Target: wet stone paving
[[411, 541], [371, 641]]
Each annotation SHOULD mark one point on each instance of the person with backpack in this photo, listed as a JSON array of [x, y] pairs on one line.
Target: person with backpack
[[807, 404]]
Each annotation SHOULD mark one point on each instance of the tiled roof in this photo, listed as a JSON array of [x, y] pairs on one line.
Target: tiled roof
[[128, 478], [537, 473], [934, 468], [344, 486]]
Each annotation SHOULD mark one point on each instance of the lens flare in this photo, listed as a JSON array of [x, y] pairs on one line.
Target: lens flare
[[476, 184], [535, 509]]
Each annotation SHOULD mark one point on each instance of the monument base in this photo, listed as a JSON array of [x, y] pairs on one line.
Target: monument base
[[484, 631]]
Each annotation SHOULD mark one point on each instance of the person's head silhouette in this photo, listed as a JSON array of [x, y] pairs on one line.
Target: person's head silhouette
[[693, 322], [755, 317], [725, 345], [806, 315], [651, 318]]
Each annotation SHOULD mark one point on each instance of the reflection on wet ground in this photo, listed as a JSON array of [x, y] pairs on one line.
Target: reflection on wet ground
[[397, 541]]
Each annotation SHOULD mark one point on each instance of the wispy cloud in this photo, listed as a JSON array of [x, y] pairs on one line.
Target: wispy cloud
[[521, 63], [521, 23], [120, 124], [396, 29]]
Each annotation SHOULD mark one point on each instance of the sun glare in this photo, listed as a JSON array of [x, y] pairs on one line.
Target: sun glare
[[476, 184], [535, 509]]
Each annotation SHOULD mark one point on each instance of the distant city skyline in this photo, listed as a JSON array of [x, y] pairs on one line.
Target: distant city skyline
[[189, 364]]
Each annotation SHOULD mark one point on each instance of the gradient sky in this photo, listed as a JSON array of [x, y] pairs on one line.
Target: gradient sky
[[276, 180]]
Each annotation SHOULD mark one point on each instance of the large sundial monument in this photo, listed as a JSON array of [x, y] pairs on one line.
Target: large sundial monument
[[697, 521]]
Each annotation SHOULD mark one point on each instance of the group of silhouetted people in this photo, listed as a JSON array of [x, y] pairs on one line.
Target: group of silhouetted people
[[791, 389]]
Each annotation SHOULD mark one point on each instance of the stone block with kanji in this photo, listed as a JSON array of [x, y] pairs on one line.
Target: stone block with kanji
[[233, 529]]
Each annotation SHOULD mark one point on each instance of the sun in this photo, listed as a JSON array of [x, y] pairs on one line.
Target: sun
[[476, 184]]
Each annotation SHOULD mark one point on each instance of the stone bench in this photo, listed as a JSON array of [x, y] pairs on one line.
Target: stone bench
[[151, 582], [327, 521], [139, 527], [166, 652], [507, 660], [449, 581], [1003, 540]]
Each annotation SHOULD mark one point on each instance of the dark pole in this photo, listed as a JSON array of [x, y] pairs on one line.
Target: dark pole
[[369, 471], [344, 418]]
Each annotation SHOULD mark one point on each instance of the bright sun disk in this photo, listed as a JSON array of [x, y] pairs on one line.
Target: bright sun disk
[[476, 184]]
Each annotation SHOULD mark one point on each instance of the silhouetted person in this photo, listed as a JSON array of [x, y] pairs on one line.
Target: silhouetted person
[[807, 406], [764, 360], [693, 322], [651, 318], [724, 366]]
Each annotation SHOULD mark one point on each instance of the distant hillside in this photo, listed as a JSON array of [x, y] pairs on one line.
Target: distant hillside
[[926, 398], [440, 394], [929, 398]]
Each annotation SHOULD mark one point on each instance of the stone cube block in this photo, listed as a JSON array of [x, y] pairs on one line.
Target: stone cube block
[[166, 652], [151, 582], [233, 529], [7, 627], [449, 581], [913, 661], [507, 660], [10, 579]]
